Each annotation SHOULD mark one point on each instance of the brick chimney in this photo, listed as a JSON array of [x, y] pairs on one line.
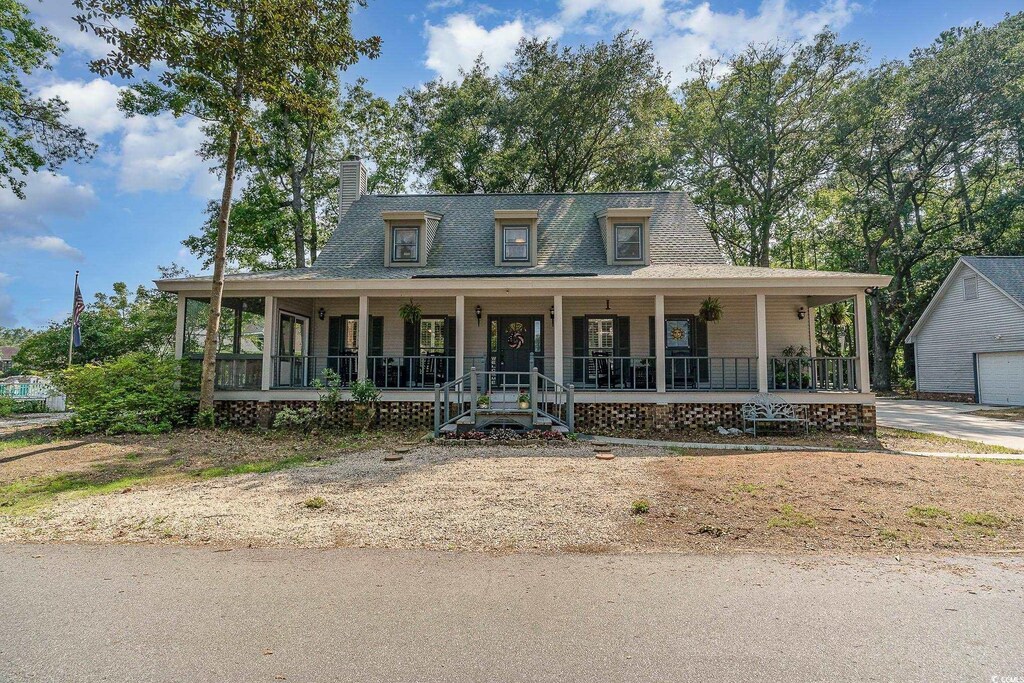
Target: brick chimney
[[352, 184]]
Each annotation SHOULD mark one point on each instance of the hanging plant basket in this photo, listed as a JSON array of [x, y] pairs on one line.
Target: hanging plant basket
[[710, 310], [410, 312]]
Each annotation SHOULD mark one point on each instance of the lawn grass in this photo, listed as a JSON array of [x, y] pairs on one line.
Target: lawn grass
[[1009, 414], [946, 442], [259, 467], [22, 442], [790, 518]]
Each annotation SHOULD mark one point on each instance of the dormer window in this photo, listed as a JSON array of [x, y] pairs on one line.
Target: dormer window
[[516, 242], [405, 241], [408, 236], [629, 241], [515, 237], [626, 235]]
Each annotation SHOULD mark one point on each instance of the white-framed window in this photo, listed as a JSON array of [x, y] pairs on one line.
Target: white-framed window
[[515, 240], [629, 243], [405, 243], [432, 332], [600, 335], [970, 288]]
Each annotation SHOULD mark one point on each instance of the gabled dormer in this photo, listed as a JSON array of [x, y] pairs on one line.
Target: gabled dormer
[[408, 236], [626, 235], [515, 237]]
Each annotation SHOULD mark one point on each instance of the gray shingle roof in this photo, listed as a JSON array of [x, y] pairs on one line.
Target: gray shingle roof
[[569, 240], [1007, 272], [568, 237]]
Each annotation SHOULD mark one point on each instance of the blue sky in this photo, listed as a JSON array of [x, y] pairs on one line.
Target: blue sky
[[125, 212]]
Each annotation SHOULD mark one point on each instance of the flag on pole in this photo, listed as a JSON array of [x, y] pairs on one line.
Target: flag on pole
[[76, 312]]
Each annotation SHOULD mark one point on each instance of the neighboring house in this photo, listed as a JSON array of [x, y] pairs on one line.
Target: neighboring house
[[969, 342], [600, 292], [6, 357], [32, 388]]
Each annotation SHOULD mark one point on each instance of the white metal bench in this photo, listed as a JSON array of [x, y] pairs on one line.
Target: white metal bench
[[774, 410]]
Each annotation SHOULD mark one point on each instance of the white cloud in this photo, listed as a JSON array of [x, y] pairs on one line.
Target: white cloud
[[159, 153], [91, 104], [460, 40], [682, 32], [45, 194], [58, 16], [49, 244]]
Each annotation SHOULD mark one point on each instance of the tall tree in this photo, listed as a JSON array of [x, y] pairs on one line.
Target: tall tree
[[34, 132], [554, 119], [931, 168], [755, 136], [289, 205], [221, 61]]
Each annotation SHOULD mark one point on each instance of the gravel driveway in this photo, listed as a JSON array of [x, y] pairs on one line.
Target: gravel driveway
[[950, 419]]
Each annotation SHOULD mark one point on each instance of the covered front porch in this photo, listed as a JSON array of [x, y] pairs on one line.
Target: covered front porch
[[613, 346]]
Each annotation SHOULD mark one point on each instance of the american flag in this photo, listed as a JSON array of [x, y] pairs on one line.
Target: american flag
[[76, 312]]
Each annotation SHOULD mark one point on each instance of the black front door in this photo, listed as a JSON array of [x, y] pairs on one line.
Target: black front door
[[516, 342]]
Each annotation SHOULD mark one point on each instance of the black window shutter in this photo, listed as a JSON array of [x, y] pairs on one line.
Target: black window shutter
[[376, 336], [411, 339], [579, 346], [622, 348], [651, 338], [449, 335], [335, 335], [700, 337]]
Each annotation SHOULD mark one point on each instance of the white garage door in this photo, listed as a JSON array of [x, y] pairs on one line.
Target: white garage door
[[1001, 378]]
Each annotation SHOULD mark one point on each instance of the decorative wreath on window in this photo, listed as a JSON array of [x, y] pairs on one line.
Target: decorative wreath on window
[[516, 335]]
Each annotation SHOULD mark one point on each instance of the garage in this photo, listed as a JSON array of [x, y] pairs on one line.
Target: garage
[[1001, 378]]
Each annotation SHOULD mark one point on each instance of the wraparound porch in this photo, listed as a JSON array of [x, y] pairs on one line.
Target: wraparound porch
[[646, 347]]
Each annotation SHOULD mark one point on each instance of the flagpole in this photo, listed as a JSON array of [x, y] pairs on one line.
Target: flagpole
[[71, 337]]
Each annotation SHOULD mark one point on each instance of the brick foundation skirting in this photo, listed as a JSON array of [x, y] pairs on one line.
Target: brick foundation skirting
[[944, 396], [602, 418], [606, 418], [392, 415]]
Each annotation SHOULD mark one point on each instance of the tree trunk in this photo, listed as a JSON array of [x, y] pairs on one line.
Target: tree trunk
[[300, 223], [882, 360], [217, 291], [314, 237]]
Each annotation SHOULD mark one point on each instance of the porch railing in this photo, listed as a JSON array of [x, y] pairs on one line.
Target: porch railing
[[614, 373], [798, 373], [239, 372], [459, 397], [302, 372], [410, 372], [711, 373]]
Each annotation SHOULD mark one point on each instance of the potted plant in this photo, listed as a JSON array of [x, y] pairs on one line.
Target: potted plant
[[483, 401], [524, 399], [710, 310], [410, 312]]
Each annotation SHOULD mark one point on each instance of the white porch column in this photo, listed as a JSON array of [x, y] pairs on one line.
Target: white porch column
[[558, 337], [179, 329], [861, 323], [269, 317], [761, 327], [812, 332], [363, 337], [460, 335], [659, 342]]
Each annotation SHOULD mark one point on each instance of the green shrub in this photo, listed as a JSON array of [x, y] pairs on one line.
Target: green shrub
[[295, 419], [7, 406], [364, 391], [138, 393]]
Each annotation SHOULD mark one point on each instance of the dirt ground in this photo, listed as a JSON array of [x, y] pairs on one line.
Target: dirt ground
[[235, 488]]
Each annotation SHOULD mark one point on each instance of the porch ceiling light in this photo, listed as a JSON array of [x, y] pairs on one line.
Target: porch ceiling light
[[479, 314], [321, 313], [552, 312], [801, 313]]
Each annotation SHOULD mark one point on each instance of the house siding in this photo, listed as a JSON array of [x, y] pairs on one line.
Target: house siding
[[957, 329]]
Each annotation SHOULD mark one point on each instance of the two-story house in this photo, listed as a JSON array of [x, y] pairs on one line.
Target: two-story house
[[600, 293]]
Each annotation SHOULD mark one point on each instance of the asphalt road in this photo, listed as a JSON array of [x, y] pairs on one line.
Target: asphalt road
[[120, 613], [950, 419]]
